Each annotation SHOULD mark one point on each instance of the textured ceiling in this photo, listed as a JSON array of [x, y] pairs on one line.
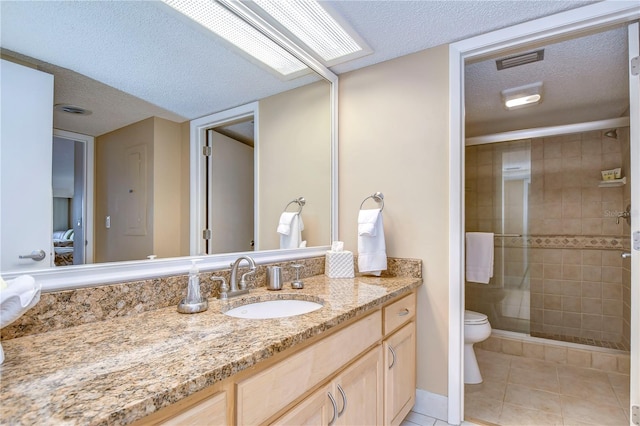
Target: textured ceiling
[[584, 79], [146, 50]]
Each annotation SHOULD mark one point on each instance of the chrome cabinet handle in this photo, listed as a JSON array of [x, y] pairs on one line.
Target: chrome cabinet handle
[[625, 255], [393, 353], [403, 312], [335, 409], [344, 400], [36, 255]]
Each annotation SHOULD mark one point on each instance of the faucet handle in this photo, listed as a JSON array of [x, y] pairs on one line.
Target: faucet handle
[[224, 287], [243, 281]]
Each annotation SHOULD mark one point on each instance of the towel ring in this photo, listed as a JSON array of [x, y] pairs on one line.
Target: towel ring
[[299, 201], [378, 197]]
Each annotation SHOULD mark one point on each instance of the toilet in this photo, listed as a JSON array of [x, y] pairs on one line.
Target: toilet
[[476, 329]]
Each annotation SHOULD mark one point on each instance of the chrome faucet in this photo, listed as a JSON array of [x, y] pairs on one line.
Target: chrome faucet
[[235, 288]]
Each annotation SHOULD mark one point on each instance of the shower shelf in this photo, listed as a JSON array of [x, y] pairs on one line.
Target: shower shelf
[[612, 183]]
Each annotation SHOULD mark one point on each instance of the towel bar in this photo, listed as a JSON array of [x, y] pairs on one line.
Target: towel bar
[[299, 201], [378, 197]]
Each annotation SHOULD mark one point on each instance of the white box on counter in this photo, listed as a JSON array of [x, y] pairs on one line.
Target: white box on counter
[[339, 264]]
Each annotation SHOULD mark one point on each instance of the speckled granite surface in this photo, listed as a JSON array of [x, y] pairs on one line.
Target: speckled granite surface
[[119, 370]]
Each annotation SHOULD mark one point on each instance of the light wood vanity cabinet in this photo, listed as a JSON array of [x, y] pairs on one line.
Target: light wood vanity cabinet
[[265, 393], [364, 373]]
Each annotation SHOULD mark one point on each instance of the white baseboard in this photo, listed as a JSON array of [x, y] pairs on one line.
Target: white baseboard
[[431, 404]]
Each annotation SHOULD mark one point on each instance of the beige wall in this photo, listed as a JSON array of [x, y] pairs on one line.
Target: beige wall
[[295, 160], [162, 139], [167, 214], [393, 133], [111, 193]]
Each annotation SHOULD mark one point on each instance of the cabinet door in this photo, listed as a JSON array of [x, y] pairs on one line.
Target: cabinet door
[[358, 391], [211, 411], [317, 409], [400, 374]]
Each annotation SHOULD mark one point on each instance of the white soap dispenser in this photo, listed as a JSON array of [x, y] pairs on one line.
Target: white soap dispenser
[[194, 302]]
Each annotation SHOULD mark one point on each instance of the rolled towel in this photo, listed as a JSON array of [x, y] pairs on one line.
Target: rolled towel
[[24, 287]]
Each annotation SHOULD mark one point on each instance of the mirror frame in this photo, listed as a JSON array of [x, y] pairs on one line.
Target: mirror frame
[[93, 275]]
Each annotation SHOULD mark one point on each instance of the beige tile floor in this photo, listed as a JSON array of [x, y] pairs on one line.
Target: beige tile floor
[[525, 391]]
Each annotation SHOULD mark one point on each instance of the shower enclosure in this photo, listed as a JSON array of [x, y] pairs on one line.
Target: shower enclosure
[[558, 270]]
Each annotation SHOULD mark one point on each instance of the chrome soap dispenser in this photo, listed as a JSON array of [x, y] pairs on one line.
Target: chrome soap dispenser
[[194, 302]]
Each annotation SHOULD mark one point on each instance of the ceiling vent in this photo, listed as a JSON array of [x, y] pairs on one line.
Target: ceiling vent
[[517, 60], [71, 109]]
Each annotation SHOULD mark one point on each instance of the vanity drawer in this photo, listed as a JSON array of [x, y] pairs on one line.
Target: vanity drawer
[[399, 313], [264, 394]]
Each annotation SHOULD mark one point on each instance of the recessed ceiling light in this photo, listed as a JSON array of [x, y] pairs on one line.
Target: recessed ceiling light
[[227, 25], [522, 96], [71, 109], [314, 26]]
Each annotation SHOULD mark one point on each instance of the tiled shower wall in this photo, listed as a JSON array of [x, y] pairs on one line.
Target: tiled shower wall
[[569, 258]]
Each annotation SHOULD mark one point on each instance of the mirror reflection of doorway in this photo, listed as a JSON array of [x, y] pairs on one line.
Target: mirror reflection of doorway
[[230, 187], [71, 207]]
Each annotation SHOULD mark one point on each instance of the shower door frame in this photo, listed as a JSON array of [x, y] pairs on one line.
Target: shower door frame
[[588, 18]]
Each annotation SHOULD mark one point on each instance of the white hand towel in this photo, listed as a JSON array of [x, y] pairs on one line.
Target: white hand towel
[[284, 226], [367, 222], [372, 252], [479, 264], [293, 238]]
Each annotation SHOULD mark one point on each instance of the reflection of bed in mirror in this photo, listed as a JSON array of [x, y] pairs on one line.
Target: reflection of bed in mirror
[[63, 247]]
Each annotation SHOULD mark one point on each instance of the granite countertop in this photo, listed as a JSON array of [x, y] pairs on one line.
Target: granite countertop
[[120, 370]]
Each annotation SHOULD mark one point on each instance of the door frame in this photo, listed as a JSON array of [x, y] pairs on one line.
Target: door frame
[[87, 209], [581, 20], [198, 138]]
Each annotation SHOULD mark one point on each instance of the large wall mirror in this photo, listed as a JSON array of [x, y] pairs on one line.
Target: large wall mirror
[[146, 75]]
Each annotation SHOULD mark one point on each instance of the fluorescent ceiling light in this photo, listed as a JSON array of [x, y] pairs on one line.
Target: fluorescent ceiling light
[[315, 27], [522, 96], [227, 25], [522, 100]]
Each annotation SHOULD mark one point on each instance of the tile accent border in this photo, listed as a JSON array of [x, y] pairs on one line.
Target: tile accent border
[[70, 308], [601, 242]]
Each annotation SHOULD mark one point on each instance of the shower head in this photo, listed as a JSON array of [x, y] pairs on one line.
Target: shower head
[[613, 133]]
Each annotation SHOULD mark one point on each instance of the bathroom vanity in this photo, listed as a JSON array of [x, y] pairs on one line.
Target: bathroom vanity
[[352, 361]]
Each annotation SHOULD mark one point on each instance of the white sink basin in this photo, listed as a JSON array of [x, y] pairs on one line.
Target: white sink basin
[[273, 309]]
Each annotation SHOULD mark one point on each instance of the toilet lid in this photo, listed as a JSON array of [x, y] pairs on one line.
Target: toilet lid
[[471, 317]]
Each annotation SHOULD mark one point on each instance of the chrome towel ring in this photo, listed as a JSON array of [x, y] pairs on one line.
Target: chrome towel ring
[[299, 201], [378, 197]]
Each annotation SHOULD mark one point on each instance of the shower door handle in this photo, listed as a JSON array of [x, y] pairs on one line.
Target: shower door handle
[[625, 255]]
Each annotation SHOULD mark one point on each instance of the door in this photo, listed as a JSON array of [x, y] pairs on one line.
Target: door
[[634, 133], [26, 197], [73, 189], [399, 374], [358, 391], [231, 194], [315, 410]]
